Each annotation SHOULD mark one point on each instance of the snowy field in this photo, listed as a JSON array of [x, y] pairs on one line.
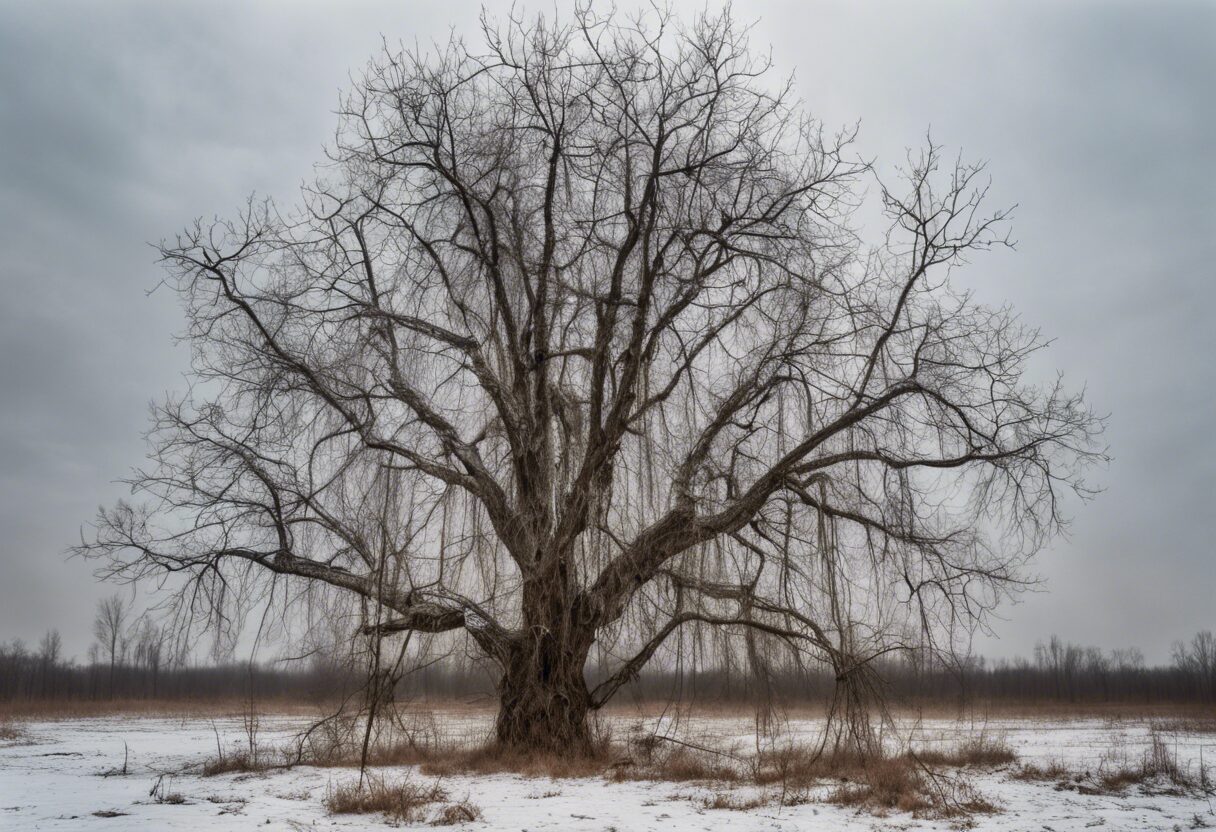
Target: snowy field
[[66, 775]]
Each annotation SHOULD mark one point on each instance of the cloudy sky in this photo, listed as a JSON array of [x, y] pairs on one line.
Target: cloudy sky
[[120, 122]]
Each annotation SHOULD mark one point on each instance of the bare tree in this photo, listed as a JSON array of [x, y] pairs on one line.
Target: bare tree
[[49, 650], [150, 642], [577, 333], [1198, 659], [110, 630], [1127, 659]]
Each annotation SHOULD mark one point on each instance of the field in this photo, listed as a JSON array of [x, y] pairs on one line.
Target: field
[[145, 772]]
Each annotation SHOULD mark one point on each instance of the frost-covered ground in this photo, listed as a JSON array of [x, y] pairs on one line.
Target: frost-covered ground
[[62, 776]]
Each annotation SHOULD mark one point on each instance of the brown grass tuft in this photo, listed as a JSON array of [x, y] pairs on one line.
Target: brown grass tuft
[[11, 731], [903, 783], [403, 801], [734, 802], [1054, 770], [487, 759], [454, 813], [978, 751], [799, 766], [893, 783], [677, 765], [241, 762]]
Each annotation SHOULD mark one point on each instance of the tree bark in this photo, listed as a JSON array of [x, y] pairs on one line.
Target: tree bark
[[543, 695], [544, 709]]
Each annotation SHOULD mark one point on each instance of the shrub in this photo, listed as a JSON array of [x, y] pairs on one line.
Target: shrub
[[891, 783]]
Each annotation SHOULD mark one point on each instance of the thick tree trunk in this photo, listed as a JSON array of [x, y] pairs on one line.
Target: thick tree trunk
[[543, 696], [543, 710]]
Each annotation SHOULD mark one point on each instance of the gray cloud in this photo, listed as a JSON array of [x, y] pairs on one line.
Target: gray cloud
[[122, 122]]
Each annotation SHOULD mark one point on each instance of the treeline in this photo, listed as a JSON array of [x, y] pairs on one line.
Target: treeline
[[27, 675], [132, 657], [1058, 672]]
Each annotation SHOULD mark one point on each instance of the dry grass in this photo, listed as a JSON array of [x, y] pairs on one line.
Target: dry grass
[[800, 766], [647, 758], [980, 751], [678, 767], [904, 782], [454, 813], [445, 759], [873, 784], [893, 783], [490, 760], [403, 801], [912, 783], [11, 730], [49, 710], [787, 775], [339, 743], [797, 766], [242, 762], [1157, 771], [1054, 770], [734, 802], [650, 757], [1186, 725], [1158, 768], [161, 793], [253, 757]]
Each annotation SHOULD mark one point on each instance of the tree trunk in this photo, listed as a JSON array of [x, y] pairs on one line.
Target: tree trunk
[[539, 714], [543, 696]]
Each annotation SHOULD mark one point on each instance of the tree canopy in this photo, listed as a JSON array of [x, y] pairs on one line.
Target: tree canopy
[[575, 343]]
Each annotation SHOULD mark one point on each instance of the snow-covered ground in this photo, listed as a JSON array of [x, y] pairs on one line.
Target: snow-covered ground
[[63, 775]]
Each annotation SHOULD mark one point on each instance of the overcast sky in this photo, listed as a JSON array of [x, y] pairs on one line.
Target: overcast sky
[[120, 122]]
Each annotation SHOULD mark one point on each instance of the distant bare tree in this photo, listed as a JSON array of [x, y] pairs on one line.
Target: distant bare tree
[[150, 644], [1198, 659], [50, 646], [110, 630], [1128, 658], [49, 650], [575, 349]]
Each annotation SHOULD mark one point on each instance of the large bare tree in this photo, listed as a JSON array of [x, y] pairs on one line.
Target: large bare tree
[[575, 346]]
